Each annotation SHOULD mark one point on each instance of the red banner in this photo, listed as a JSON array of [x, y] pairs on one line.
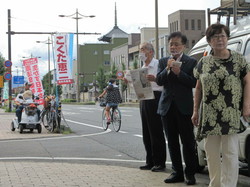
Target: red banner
[[33, 75]]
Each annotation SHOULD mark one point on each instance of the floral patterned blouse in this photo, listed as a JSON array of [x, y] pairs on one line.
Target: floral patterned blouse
[[222, 93]]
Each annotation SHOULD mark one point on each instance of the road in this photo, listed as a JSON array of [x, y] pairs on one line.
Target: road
[[88, 142]]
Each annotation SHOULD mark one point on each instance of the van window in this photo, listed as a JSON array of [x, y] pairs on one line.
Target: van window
[[247, 51], [234, 46], [197, 54]]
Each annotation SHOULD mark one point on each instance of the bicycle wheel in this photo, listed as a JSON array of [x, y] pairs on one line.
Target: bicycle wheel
[[116, 119], [48, 121], [104, 120]]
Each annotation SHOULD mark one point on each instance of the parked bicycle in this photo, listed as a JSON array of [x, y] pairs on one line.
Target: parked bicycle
[[115, 116], [51, 114]]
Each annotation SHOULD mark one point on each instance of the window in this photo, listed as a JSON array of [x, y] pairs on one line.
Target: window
[[193, 43], [192, 24], [247, 52], [162, 52], [106, 63], [106, 52], [199, 24], [187, 44], [186, 24]]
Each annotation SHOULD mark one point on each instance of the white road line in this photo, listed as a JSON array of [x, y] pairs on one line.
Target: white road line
[[85, 124], [123, 132], [138, 135]]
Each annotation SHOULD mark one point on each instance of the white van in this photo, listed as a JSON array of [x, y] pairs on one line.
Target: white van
[[239, 41]]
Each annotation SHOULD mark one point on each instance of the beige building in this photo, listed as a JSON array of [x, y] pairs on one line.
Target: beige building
[[192, 23]]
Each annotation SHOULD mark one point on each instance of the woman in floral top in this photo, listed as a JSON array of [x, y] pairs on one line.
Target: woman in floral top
[[223, 91]]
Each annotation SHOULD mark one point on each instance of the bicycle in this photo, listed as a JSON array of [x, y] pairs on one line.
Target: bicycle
[[115, 117], [50, 116]]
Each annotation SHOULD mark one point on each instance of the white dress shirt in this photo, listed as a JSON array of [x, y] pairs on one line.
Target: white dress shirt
[[152, 69]]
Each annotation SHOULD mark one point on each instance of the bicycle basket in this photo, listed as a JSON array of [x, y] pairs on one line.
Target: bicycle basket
[[102, 102]]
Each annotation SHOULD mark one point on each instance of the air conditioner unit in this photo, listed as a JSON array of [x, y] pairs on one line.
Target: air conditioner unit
[[244, 3]]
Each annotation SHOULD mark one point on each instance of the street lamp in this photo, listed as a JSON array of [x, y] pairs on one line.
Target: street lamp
[[48, 42], [77, 16]]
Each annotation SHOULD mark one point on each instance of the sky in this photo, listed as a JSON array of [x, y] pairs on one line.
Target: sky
[[42, 16]]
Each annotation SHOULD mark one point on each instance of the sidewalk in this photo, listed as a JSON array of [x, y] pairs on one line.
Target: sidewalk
[[50, 173]]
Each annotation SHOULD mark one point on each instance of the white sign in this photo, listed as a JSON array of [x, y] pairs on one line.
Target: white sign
[[62, 59]]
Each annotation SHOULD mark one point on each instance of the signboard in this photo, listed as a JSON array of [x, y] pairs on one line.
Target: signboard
[[63, 52], [7, 63], [119, 75], [6, 90], [33, 76], [7, 76], [1, 81], [18, 79]]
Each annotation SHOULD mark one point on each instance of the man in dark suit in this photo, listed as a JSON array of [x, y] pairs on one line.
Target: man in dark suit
[[175, 73]]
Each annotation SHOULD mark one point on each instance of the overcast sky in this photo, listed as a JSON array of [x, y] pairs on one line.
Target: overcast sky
[[42, 16]]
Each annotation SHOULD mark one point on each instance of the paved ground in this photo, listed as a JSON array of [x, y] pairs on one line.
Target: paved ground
[[42, 173]]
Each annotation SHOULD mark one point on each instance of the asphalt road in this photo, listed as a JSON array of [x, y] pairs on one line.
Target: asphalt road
[[88, 142]]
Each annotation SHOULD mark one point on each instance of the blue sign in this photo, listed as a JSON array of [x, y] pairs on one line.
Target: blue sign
[[18, 79], [8, 63], [7, 76]]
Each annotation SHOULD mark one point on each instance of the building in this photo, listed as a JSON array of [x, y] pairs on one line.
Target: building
[[120, 48], [192, 23], [92, 57]]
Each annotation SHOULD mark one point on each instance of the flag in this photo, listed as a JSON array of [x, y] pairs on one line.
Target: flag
[[33, 76], [63, 58]]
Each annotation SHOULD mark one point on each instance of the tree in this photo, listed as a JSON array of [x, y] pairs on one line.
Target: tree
[[113, 71], [2, 68], [135, 64], [46, 84], [101, 79], [123, 84]]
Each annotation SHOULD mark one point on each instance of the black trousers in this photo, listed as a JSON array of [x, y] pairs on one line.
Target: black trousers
[[178, 126], [152, 131]]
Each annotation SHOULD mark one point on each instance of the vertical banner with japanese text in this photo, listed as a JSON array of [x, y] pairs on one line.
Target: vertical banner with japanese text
[[63, 58], [33, 76]]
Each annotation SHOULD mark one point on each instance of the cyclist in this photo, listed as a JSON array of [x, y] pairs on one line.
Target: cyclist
[[113, 97]]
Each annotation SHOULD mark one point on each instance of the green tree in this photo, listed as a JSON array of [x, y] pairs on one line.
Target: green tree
[[135, 64], [59, 89], [2, 68], [113, 72], [46, 84], [123, 84], [101, 79]]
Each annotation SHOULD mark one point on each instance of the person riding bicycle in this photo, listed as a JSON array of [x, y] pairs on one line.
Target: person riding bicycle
[[113, 97]]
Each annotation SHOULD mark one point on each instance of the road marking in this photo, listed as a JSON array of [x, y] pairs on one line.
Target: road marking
[[138, 135], [85, 124], [123, 132]]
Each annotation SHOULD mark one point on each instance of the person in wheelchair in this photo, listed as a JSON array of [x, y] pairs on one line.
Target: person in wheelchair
[[113, 97], [27, 95]]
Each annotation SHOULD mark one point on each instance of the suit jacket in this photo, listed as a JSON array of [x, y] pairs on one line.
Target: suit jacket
[[176, 88]]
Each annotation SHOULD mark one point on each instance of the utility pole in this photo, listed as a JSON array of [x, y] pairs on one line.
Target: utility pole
[[9, 56], [156, 31]]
